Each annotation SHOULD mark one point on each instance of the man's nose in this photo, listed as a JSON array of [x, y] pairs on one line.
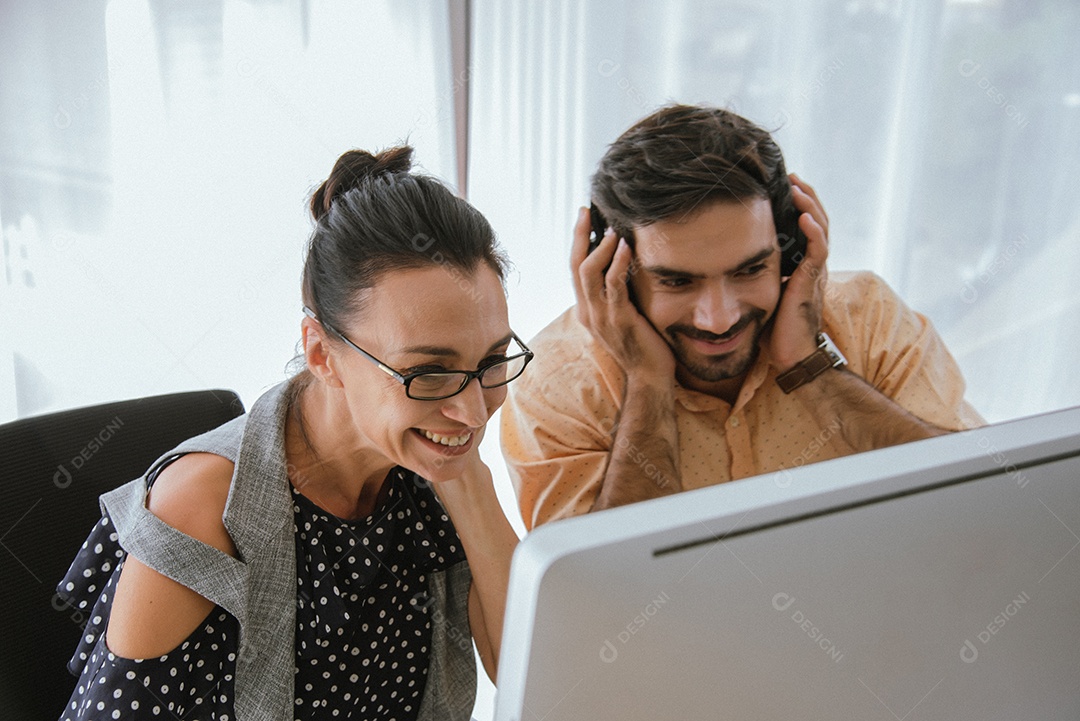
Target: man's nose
[[717, 310]]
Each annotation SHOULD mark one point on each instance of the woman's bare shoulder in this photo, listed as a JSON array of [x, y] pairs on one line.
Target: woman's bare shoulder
[[190, 494]]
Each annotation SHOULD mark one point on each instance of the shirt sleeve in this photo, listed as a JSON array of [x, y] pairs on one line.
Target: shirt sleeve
[[556, 424], [898, 351]]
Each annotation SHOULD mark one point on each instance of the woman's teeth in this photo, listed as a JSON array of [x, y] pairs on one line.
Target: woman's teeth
[[447, 440]]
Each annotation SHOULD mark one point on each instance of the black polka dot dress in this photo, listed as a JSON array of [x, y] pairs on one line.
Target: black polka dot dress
[[363, 630]]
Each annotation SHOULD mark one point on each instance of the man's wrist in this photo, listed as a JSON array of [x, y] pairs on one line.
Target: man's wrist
[[644, 380], [824, 357]]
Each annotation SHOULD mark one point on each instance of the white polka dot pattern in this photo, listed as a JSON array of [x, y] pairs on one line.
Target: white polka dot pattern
[[362, 633]]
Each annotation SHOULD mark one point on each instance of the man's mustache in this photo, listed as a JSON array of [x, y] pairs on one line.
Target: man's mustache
[[699, 334]]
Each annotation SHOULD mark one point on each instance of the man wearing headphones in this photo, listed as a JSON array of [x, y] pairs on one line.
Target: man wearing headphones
[[708, 342]]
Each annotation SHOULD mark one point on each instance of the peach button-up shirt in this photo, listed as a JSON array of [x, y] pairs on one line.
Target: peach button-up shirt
[[558, 418]]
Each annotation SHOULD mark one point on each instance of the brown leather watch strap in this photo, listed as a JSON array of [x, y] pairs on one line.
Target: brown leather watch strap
[[825, 357]]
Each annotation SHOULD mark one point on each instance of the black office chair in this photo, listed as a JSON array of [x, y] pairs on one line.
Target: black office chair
[[53, 469]]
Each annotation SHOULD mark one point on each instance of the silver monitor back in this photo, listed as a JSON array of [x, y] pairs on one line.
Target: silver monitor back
[[934, 580]]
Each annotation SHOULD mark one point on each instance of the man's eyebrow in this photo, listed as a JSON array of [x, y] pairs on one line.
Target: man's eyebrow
[[756, 258], [666, 272], [444, 352]]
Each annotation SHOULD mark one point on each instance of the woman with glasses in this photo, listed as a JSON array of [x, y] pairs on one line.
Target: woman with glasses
[[335, 552]]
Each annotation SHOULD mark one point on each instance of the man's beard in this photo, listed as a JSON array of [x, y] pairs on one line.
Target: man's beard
[[720, 367]]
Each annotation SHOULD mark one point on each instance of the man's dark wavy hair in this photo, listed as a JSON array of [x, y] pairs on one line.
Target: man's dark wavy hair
[[674, 162]]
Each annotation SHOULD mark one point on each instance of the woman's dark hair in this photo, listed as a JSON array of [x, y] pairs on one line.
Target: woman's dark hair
[[372, 216], [683, 156]]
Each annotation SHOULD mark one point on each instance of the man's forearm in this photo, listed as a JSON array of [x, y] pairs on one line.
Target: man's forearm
[[644, 459], [866, 418]]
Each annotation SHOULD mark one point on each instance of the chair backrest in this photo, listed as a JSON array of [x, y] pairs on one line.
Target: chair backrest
[[52, 469]]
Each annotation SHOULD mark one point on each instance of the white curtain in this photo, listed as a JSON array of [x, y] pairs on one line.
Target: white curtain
[[942, 137], [156, 160]]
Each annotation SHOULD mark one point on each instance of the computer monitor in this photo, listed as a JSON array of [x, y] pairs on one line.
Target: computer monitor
[[934, 580]]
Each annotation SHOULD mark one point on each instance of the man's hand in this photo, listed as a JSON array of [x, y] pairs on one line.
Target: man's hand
[[646, 435], [795, 326], [867, 418], [605, 308]]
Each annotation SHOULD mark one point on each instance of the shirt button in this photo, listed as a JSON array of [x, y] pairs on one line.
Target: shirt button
[[734, 422]]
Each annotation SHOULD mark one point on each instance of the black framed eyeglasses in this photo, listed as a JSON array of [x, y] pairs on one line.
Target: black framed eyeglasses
[[438, 385]]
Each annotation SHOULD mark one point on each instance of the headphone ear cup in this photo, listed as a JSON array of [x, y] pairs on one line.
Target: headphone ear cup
[[599, 226], [792, 244]]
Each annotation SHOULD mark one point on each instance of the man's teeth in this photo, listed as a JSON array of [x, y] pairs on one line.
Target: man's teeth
[[447, 440]]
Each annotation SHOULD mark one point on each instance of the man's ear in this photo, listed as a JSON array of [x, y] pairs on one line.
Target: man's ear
[[317, 353]]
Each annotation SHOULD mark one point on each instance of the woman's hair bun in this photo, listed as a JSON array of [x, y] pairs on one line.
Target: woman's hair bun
[[354, 168]]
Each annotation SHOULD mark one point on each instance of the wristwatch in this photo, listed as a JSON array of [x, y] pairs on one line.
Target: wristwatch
[[825, 357]]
